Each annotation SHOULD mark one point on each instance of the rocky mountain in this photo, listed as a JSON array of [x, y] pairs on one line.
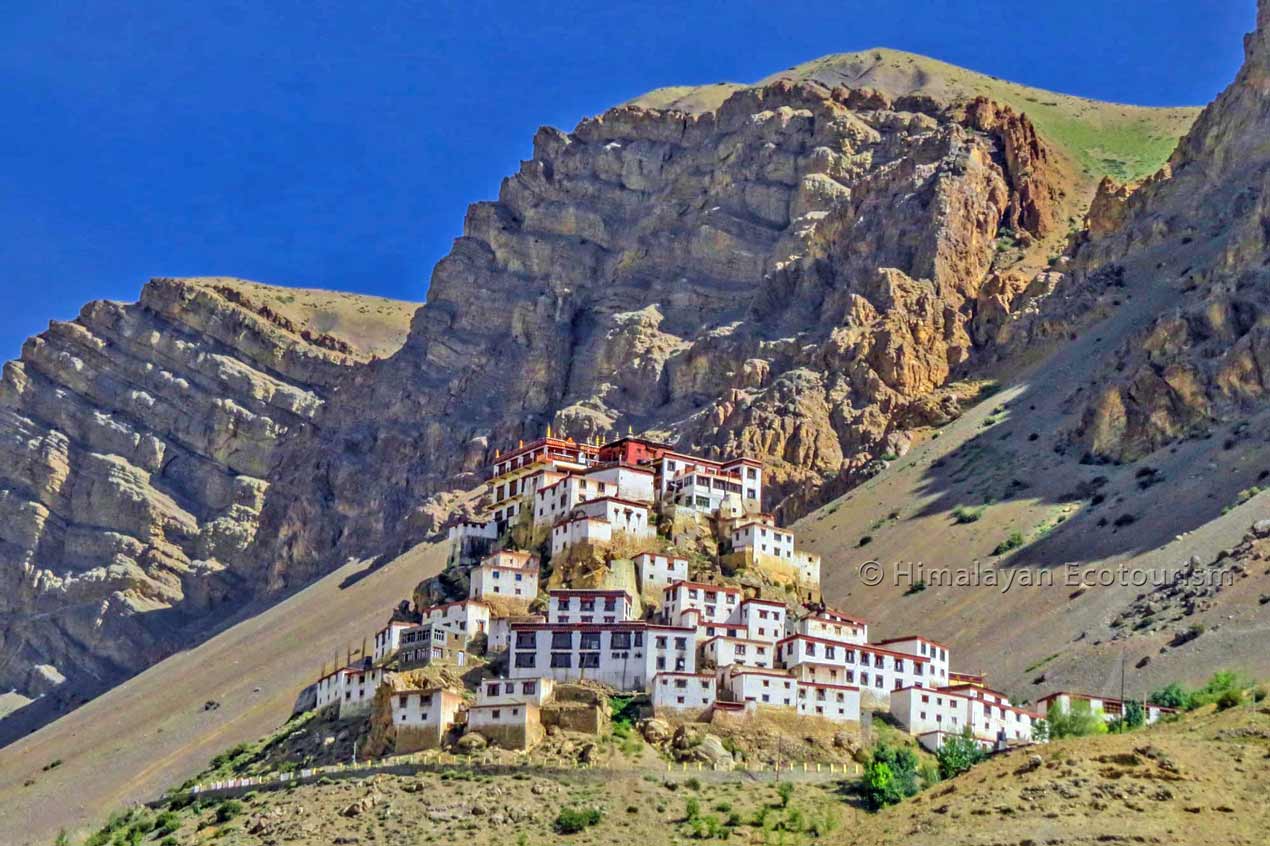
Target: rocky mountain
[[1127, 454], [138, 446], [804, 269]]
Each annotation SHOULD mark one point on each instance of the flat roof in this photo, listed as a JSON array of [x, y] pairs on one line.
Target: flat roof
[[863, 647]]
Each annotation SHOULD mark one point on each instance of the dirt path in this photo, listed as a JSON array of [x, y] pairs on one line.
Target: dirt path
[[152, 732]]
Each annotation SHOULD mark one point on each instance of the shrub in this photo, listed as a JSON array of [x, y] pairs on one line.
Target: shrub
[[958, 754], [1229, 699], [167, 822], [693, 783], [891, 776], [228, 809], [1014, 541], [1172, 695], [723, 807], [692, 809], [916, 587], [1041, 730], [785, 790], [966, 514], [573, 820], [708, 828], [1260, 694]]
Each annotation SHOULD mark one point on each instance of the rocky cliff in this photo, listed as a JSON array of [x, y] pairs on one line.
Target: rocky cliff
[[137, 446], [1199, 232], [794, 275]]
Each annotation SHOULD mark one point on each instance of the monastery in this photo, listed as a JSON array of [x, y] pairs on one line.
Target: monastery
[[684, 590]]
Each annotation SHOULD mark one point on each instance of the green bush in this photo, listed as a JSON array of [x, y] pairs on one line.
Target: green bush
[[692, 808], [693, 783], [708, 828], [167, 822], [1172, 695], [1229, 699], [1041, 730], [1134, 716], [891, 776], [1014, 541], [785, 790], [958, 754], [966, 514], [573, 820], [228, 809]]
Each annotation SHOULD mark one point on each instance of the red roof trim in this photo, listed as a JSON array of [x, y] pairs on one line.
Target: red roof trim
[[863, 647]]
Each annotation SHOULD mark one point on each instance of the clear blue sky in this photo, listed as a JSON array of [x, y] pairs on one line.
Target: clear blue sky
[[337, 145]]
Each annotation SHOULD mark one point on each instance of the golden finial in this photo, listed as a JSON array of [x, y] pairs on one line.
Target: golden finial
[[549, 430]]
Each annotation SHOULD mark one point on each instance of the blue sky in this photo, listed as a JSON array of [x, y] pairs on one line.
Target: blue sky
[[337, 145]]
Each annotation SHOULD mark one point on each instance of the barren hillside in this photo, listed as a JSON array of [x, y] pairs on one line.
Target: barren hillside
[[164, 725]]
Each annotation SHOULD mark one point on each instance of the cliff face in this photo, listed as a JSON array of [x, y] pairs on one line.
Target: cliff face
[[137, 445], [1200, 232], [793, 275]]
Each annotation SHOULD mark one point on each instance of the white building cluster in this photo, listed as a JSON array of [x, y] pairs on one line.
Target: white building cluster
[[698, 648]]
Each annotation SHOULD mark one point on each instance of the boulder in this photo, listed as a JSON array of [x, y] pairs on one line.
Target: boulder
[[712, 752], [471, 742], [655, 731]]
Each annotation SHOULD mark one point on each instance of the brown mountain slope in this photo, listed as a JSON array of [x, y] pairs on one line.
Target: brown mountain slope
[[1139, 437], [153, 731]]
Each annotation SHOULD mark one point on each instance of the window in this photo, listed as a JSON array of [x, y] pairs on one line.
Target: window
[[681, 643], [561, 659], [589, 659], [617, 640], [561, 640], [526, 640], [590, 640]]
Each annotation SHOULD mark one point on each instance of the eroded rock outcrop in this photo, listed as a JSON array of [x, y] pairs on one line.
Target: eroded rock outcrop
[[137, 445], [791, 275], [1196, 237]]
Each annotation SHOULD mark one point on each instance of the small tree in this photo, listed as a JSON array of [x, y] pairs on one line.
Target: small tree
[[1135, 716], [786, 792], [891, 775], [1077, 721], [958, 754], [1041, 730], [1172, 695]]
